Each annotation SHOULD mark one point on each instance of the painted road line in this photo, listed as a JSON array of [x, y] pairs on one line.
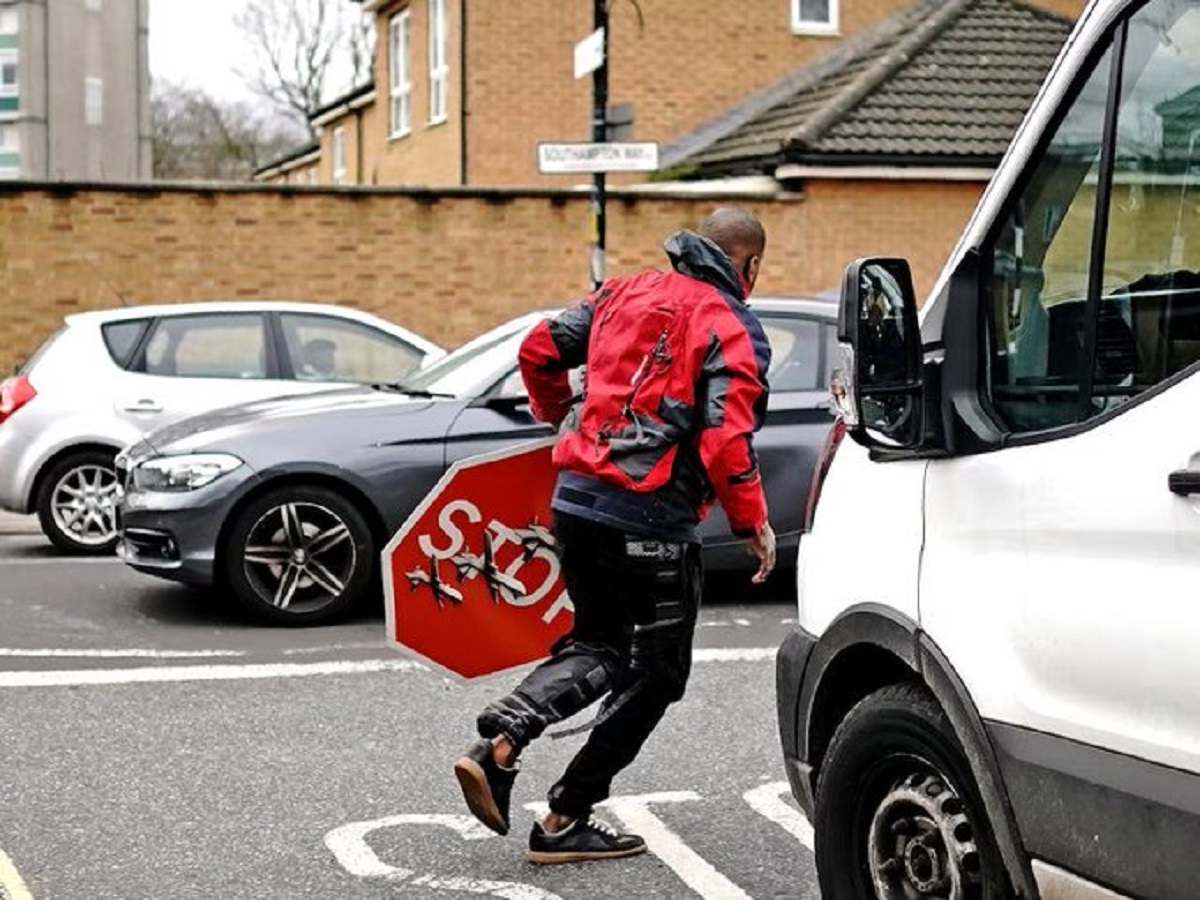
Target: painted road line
[[251, 671], [160, 674], [63, 653], [12, 887], [59, 561], [767, 800]]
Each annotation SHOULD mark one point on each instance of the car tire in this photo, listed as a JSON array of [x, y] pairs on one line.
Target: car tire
[[77, 503], [299, 555], [897, 811]]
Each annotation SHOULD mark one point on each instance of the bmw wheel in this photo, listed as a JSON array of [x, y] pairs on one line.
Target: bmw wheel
[[77, 503], [299, 555], [897, 814]]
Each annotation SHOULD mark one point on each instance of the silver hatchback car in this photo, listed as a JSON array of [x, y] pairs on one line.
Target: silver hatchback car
[[104, 379]]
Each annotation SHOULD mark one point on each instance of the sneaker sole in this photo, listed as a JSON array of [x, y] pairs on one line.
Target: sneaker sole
[[547, 858], [473, 781]]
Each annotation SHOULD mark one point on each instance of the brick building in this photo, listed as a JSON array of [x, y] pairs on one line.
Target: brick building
[[462, 92]]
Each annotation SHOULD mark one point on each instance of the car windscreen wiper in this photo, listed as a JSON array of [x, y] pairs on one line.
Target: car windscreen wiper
[[399, 388]]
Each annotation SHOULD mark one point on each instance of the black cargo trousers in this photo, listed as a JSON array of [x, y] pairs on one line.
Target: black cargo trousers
[[636, 601]]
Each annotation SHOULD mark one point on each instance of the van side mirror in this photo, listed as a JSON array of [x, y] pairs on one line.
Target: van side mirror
[[876, 385]]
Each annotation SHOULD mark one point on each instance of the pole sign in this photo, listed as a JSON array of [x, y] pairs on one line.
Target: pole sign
[[472, 581], [577, 158], [589, 53]]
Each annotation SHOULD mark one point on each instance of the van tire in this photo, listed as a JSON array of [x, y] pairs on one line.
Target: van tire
[[897, 808]]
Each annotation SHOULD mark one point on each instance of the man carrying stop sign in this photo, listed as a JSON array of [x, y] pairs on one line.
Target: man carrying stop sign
[[675, 388]]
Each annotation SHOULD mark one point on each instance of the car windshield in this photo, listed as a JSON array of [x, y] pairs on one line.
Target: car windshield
[[474, 367]]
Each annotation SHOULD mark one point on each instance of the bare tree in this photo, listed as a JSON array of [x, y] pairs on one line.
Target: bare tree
[[197, 137], [303, 49]]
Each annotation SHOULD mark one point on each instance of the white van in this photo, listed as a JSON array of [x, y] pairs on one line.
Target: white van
[[994, 688]]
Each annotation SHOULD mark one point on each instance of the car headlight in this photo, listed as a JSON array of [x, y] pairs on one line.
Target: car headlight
[[183, 473]]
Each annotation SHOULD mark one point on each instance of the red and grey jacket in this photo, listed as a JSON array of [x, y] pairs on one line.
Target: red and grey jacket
[[675, 386]]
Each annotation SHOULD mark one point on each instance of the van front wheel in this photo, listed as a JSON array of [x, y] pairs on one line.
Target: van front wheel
[[898, 814]]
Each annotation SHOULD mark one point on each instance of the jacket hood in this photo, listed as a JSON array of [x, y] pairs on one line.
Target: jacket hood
[[698, 257]]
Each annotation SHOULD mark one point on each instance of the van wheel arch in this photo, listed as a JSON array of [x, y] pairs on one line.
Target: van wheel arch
[[871, 647]]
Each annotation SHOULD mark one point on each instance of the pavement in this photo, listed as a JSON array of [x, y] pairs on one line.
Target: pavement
[[14, 524]]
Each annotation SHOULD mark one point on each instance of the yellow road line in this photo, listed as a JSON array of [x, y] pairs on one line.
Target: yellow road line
[[11, 885]]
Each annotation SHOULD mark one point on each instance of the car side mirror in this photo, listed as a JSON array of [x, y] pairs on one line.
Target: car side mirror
[[876, 383]]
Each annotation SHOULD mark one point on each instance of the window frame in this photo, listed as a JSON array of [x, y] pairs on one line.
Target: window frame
[[439, 64], [803, 26], [137, 364], [337, 155], [400, 74], [93, 101], [11, 56]]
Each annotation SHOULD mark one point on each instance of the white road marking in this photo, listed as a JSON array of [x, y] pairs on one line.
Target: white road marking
[[254, 671], [59, 561], [116, 654], [12, 887], [349, 846], [767, 800], [734, 654], [693, 869], [158, 674]]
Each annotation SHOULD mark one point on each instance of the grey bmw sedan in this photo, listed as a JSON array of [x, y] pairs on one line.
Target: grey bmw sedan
[[286, 503]]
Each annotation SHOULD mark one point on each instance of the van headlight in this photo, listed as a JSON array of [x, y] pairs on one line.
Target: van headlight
[[183, 473]]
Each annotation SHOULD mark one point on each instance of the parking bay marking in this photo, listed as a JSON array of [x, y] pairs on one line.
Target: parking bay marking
[[349, 846], [12, 887], [252, 671]]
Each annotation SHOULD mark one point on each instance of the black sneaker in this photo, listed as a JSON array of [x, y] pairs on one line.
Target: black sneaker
[[486, 785], [580, 841]]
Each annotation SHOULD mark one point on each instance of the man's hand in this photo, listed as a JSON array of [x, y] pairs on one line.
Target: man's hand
[[762, 548]]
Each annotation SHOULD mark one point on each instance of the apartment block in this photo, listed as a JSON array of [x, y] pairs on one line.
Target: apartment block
[[74, 90]]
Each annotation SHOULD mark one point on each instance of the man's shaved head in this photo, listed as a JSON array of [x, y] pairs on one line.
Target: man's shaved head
[[737, 231]]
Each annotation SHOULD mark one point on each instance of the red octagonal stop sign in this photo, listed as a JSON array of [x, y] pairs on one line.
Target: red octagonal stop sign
[[472, 582]]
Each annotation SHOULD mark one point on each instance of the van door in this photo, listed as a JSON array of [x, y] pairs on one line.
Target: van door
[[1060, 572]]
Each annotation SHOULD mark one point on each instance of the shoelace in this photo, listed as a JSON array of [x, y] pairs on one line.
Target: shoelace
[[602, 827]]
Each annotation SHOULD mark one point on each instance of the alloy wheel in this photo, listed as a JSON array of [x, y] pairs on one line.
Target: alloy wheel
[[299, 556], [84, 505]]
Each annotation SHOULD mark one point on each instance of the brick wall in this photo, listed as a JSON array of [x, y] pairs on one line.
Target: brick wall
[[447, 264]]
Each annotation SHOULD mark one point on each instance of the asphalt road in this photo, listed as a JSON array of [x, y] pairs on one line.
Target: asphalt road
[[154, 744]]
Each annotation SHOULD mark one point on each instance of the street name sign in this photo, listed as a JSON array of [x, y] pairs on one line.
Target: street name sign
[[575, 158]]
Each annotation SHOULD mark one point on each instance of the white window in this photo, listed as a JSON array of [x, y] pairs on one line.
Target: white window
[[93, 5], [339, 155], [815, 16], [9, 84], [93, 100], [400, 82], [10, 141], [9, 23], [439, 68]]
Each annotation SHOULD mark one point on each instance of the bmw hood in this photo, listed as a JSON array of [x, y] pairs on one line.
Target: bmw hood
[[355, 415]]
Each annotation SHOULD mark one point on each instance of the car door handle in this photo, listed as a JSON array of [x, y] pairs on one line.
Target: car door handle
[[144, 405], [1184, 482]]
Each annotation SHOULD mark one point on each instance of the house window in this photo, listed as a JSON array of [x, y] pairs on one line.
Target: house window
[[400, 82], [339, 155], [93, 100], [439, 69], [9, 86], [815, 16], [9, 23]]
